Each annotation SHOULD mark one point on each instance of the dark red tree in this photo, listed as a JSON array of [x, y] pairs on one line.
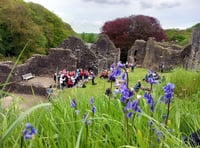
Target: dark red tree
[[124, 31]]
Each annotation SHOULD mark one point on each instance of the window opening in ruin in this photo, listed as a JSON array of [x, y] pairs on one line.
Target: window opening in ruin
[[135, 53]]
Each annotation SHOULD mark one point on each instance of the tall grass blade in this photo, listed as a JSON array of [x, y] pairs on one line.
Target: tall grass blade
[[14, 66], [20, 119]]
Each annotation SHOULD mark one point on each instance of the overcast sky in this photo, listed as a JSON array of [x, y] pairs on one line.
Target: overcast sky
[[90, 15]]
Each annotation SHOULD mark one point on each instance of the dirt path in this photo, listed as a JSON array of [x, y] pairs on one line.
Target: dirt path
[[25, 101]]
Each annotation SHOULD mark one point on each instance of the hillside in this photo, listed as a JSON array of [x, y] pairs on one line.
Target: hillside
[[181, 36], [22, 23]]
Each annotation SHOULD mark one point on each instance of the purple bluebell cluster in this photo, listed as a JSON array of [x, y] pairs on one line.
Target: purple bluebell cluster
[[94, 109], [151, 79], [126, 93], [159, 135], [74, 104], [85, 120], [135, 106], [29, 131], [124, 76], [92, 101], [150, 100], [169, 93], [116, 71], [120, 65], [132, 106]]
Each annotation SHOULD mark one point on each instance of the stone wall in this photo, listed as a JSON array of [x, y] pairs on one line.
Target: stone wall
[[97, 56], [86, 58], [137, 52], [149, 54], [157, 54], [5, 70], [57, 59], [39, 65], [106, 52], [193, 60]]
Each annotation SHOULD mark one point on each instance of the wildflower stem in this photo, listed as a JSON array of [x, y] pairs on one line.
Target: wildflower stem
[[150, 132], [151, 88], [109, 96], [86, 134], [21, 142], [127, 131], [168, 107], [127, 80], [75, 122]]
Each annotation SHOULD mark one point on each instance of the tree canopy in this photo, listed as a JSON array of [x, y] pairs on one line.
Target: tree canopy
[[124, 31], [22, 22], [181, 36], [89, 37]]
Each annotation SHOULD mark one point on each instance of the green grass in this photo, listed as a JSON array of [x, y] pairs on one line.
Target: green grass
[[58, 126]]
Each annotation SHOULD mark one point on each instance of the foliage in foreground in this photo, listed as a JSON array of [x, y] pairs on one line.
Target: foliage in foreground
[[73, 119]]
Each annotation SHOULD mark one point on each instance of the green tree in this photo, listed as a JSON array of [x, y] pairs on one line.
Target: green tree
[[22, 22], [89, 37], [182, 37]]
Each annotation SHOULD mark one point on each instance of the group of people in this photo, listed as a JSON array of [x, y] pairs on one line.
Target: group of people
[[130, 65], [71, 78], [155, 75]]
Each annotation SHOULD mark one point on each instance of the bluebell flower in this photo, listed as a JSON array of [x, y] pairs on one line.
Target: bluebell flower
[[128, 105], [73, 103], [150, 100], [124, 76], [120, 65], [112, 67], [94, 109], [85, 120], [29, 131], [84, 117], [92, 101], [123, 88], [89, 122], [129, 114], [169, 92], [123, 99], [152, 80], [131, 93], [116, 72], [125, 92], [150, 73], [135, 106], [112, 77], [160, 135], [151, 122], [77, 112]]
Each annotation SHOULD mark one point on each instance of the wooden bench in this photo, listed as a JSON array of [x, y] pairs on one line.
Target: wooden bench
[[28, 76]]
